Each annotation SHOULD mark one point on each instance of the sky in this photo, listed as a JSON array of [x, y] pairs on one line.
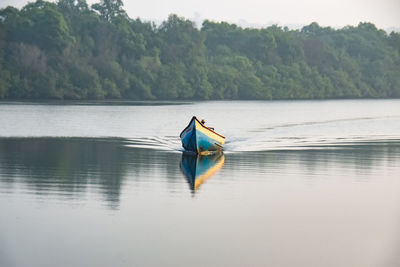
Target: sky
[[385, 14]]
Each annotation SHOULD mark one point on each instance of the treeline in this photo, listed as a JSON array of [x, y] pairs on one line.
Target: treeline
[[68, 50]]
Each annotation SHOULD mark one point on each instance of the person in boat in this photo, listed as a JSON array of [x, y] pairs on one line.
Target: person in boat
[[204, 123]]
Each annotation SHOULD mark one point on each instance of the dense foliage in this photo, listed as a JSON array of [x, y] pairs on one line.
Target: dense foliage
[[68, 50]]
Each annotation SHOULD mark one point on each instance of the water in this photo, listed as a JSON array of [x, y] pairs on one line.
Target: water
[[301, 183]]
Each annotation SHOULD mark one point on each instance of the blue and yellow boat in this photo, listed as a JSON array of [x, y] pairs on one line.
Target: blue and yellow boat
[[199, 168], [200, 139]]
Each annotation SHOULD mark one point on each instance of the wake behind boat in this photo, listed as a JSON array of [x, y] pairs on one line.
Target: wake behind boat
[[198, 138]]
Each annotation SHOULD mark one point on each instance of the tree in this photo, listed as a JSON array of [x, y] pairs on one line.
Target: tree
[[69, 50], [109, 9], [42, 24]]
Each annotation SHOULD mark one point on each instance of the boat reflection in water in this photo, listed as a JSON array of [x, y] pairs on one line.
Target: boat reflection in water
[[199, 168]]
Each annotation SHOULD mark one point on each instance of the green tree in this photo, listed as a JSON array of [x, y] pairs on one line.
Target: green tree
[[109, 9], [68, 50], [44, 25]]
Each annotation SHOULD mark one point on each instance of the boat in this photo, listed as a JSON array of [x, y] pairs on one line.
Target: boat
[[199, 168], [200, 139]]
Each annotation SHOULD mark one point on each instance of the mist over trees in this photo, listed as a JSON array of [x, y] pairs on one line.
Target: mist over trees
[[69, 50]]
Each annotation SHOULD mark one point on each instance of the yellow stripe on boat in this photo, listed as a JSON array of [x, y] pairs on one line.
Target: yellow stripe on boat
[[209, 133]]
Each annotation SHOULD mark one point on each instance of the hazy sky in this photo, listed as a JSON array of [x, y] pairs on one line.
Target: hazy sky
[[337, 13]]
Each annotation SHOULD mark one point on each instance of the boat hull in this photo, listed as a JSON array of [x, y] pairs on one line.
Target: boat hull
[[198, 138]]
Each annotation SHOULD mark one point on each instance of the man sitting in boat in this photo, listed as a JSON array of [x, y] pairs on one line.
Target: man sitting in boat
[[204, 123]]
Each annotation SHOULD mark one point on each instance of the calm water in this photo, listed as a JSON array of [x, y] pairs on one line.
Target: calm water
[[302, 183]]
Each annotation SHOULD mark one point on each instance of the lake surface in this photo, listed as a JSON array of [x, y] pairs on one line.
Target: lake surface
[[300, 183]]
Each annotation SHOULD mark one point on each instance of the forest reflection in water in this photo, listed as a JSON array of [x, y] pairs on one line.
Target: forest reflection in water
[[70, 166], [125, 205]]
